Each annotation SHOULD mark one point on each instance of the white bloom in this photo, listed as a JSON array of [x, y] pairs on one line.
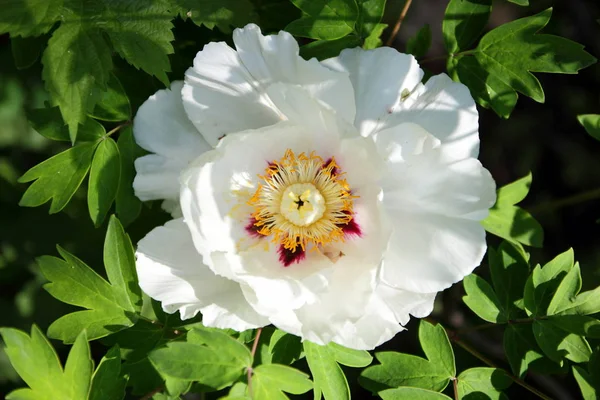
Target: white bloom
[[330, 199]]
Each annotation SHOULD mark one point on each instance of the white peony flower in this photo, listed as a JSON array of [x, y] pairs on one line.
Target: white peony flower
[[331, 199]]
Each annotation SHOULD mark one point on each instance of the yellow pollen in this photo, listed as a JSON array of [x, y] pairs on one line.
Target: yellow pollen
[[302, 200]]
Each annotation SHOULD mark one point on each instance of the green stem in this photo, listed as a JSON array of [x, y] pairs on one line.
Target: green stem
[[568, 201], [118, 128], [253, 352]]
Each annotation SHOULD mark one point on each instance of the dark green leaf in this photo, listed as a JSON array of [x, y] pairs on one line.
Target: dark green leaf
[[223, 14], [105, 173], [113, 104], [509, 268], [26, 51], [591, 123], [483, 381], [127, 205], [58, 177], [49, 123], [419, 44], [511, 222], [326, 373], [406, 393], [325, 20], [370, 13], [29, 17], [585, 382], [559, 345], [108, 383], [323, 49], [271, 380], [284, 348], [482, 300], [581, 325], [464, 21]]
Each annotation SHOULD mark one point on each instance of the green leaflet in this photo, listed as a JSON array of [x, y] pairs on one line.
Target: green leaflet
[[324, 20], [108, 383], [111, 306], [482, 300], [488, 381], [398, 369], [127, 205], [327, 375], [464, 21], [370, 13], [419, 44], [404, 393], [509, 267], [36, 362], [29, 17], [223, 14], [589, 381], [49, 123], [113, 105], [271, 380], [591, 123], [105, 173], [511, 222]]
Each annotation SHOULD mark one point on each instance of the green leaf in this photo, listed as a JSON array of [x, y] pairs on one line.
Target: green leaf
[[513, 51], [523, 352], [482, 300], [522, 3], [370, 13], [374, 41], [323, 49], [578, 324], [58, 177], [49, 123], [566, 292], [76, 62], [591, 123], [108, 383], [325, 20], [585, 303], [271, 380], [29, 17], [350, 357], [509, 268], [224, 13], [210, 357], [37, 364], [483, 381], [284, 348], [127, 205], [398, 369], [511, 222], [559, 345], [26, 51], [110, 306], [585, 382], [464, 21], [113, 104], [327, 374], [405, 393], [105, 173], [419, 44]]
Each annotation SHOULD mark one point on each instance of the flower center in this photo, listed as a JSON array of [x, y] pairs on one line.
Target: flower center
[[302, 200]]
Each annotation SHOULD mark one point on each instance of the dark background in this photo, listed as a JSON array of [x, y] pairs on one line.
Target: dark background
[[545, 139]]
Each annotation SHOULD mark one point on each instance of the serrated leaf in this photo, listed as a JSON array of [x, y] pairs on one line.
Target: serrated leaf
[[324, 20], [29, 17], [559, 345], [105, 173], [405, 393], [127, 205], [26, 51], [482, 300], [49, 123], [464, 21], [326, 373], [513, 51], [107, 382], [76, 62], [223, 14], [113, 105], [58, 177], [271, 380], [591, 123], [511, 222], [419, 44], [509, 268], [350, 357], [483, 381], [323, 49], [398, 369], [110, 306], [37, 364]]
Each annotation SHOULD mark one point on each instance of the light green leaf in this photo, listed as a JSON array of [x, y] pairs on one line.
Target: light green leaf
[[77, 62], [350, 357], [419, 44], [511, 222], [509, 268], [110, 306], [224, 13], [585, 303], [566, 292], [217, 339], [325, 20], [58, 177], [271, 380], [585, 382], [37, 364], [323, 49], [113, 104], [464, 21], [29, 17], [374, 41], [398, 369], [107, 382], [127, 205], [591, 123], [370, 13], [326, 373], [406, 393], [49, 123], [480, 381], [522, 3], [482, 300], [559, 345], [105, 173]]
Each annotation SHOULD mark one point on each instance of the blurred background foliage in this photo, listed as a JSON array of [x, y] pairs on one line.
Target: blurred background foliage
[[545, 139]]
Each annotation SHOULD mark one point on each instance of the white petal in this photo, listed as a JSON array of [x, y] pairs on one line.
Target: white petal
[[379, 77], [171, 271], [404, 303], [162, 127], [225, 89]]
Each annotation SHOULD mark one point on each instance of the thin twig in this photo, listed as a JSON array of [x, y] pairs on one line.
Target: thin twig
[[398, 23], [148, 396], [253, 352], [568, 201], [118, 128], [455, 386]]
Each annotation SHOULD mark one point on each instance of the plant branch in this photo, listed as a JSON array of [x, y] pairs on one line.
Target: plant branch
[[489, 325], [455, 387], [118, 128], [398, 23], [567, 201], [253, 352]]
